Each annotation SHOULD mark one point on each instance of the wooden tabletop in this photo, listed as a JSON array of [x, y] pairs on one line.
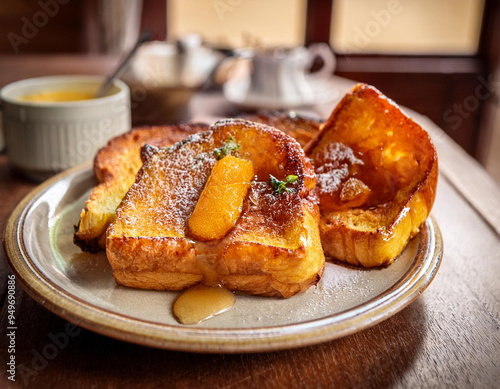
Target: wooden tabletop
[[448, 337]]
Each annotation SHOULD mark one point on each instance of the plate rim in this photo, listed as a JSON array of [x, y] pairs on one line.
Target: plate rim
[[215, 340]]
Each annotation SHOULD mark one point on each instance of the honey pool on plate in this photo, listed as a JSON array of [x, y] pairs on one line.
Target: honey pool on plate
[[57, 96], [202, 302]]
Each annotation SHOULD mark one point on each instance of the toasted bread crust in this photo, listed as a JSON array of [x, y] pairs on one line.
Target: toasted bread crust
[[376, 235], [116, 164], [302, 129], [110, 160], [115, 167], [274, 248], [166, 263]]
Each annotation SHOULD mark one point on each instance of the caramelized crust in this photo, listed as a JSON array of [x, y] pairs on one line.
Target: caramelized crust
[[376, 178], [115, 167], [376, 181], [274, 247], [120, 151], [302, 129]]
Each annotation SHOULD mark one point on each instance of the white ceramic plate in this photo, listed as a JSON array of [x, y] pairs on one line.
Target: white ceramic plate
[[79, 286]]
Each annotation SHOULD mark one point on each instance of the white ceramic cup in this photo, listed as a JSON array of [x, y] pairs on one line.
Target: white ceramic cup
[[43, 138], [281, 73]]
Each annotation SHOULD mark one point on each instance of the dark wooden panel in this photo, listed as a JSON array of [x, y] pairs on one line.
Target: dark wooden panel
[[43, 26], [489, 44], [154, 17], [63, 26], [450, 91], [319, 16]]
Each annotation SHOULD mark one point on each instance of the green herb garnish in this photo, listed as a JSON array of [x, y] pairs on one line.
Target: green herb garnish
[[280, 186], [227, 148]]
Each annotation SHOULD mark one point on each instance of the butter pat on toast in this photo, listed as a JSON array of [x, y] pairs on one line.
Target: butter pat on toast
[[376, 178], [274, 246], [115, 167]]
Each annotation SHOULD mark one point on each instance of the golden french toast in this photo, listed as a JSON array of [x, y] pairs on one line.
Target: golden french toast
[[231, 205], [376, 178], [117, 163], [115, 167], [302, 129]]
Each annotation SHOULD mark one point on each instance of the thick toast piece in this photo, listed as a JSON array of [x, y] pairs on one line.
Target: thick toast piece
[[302, 129], [274, 248], [376, 178], [115, 167], [117, 163]]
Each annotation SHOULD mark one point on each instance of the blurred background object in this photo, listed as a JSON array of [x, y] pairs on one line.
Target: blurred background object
[[280, 78], [54, 123], [162, 78], [438, 58], [119, 23]]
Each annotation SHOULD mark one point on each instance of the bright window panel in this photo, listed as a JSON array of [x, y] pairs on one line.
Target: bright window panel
[[449, 27], [239, 23]]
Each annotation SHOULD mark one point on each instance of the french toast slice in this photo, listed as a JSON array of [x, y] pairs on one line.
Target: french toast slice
[[117, 163], [302, 129], [274, 247], [115, 167], [376, 178]]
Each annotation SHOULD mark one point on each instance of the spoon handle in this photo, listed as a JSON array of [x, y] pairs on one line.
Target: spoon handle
[[145, 36]]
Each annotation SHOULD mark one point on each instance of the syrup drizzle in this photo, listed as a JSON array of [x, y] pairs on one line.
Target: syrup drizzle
[[202, 302]]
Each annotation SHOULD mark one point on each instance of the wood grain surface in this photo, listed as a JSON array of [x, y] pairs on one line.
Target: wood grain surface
[[448, 338]]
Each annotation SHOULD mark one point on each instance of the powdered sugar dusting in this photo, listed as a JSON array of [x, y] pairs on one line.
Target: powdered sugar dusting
[[165, 194], [333, 164], [171, 181], [330, 181]]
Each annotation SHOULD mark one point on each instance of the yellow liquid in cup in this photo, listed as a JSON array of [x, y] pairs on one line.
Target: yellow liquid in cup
[[57, 96]]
